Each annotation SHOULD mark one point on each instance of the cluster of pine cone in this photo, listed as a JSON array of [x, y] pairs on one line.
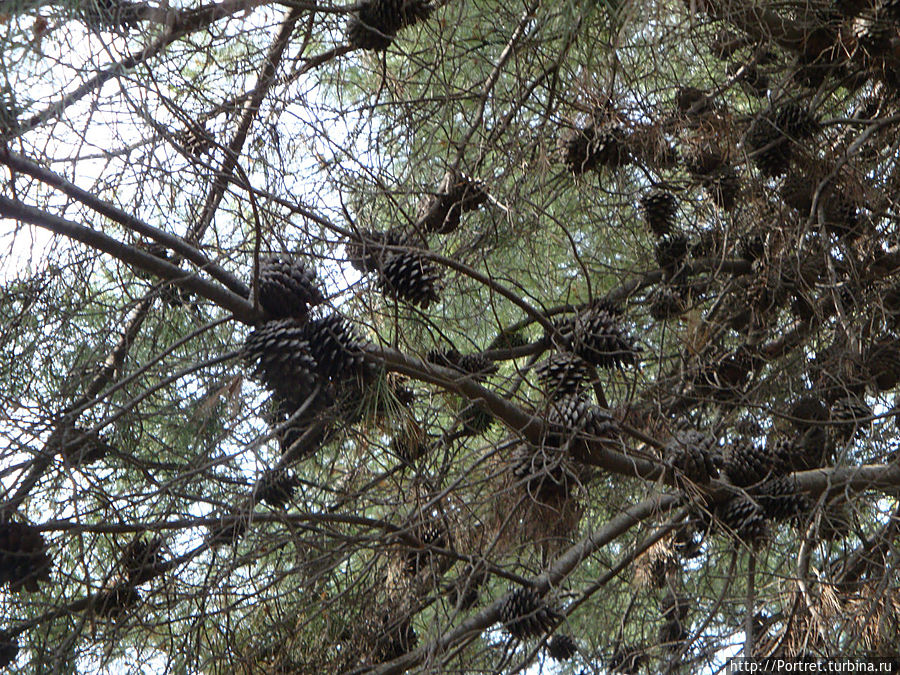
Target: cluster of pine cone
[[525, 615]]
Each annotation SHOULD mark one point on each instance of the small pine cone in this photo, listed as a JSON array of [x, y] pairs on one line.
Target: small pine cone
[[376, 23], [24, 561], [562, 647], [780, 498], [116, 601], [508, 340], [746, 464], [457, 194], [667, 302], [842, 216], [280, 351], [411, 278], [694, 455], [796, 122], [432, 533], [723, 186], [287, 288], [744, 519], [688, 540], [626, 659], [659, 208], [141, 559], [600, 339], [524, 614], [672, 634], [850, 416], [369, 250], [562, 374], [78, 447], [883, 363], [396, 639], [276, 487], [703, 160], [771, 149], [9, 649], [808, 412], [671, 252], [477, 365], [476, 420], [593, 146], [545, 474], [335, 347]]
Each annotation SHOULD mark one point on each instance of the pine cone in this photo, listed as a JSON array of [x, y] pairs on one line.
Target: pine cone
[[476, 420], [280, 350], [116, 601], [397, 638], [431, 533], [808, 412], [671, 252], [796, 122], [780, 498], [141, 560], [694, 455], [627, 659], [562, 647], [377, 22], [457, 194], [545, 473], [368, 251], [411, 278], [562, 374], [883, 363], [524, 614], [593, 146], [746, 464], [744, 520], [24, 561], [851, 417], [772, 151], [703, 160], [575, 414], [276, 488], [667, 302], [77, 446], [598, 337], [659, 208], [723, 186], [287, 288], [335, 347]]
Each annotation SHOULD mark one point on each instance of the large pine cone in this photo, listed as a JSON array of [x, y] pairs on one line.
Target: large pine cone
[[287, 288], [883, 363], [780, 499], [411, 278], [746, 464], [694, 455], [114, 602], [576, 414], [525, 615], [336, 347], [744, 520], [598, 337], [24, 561], [280, 352], [562, 374], [659, 208]]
